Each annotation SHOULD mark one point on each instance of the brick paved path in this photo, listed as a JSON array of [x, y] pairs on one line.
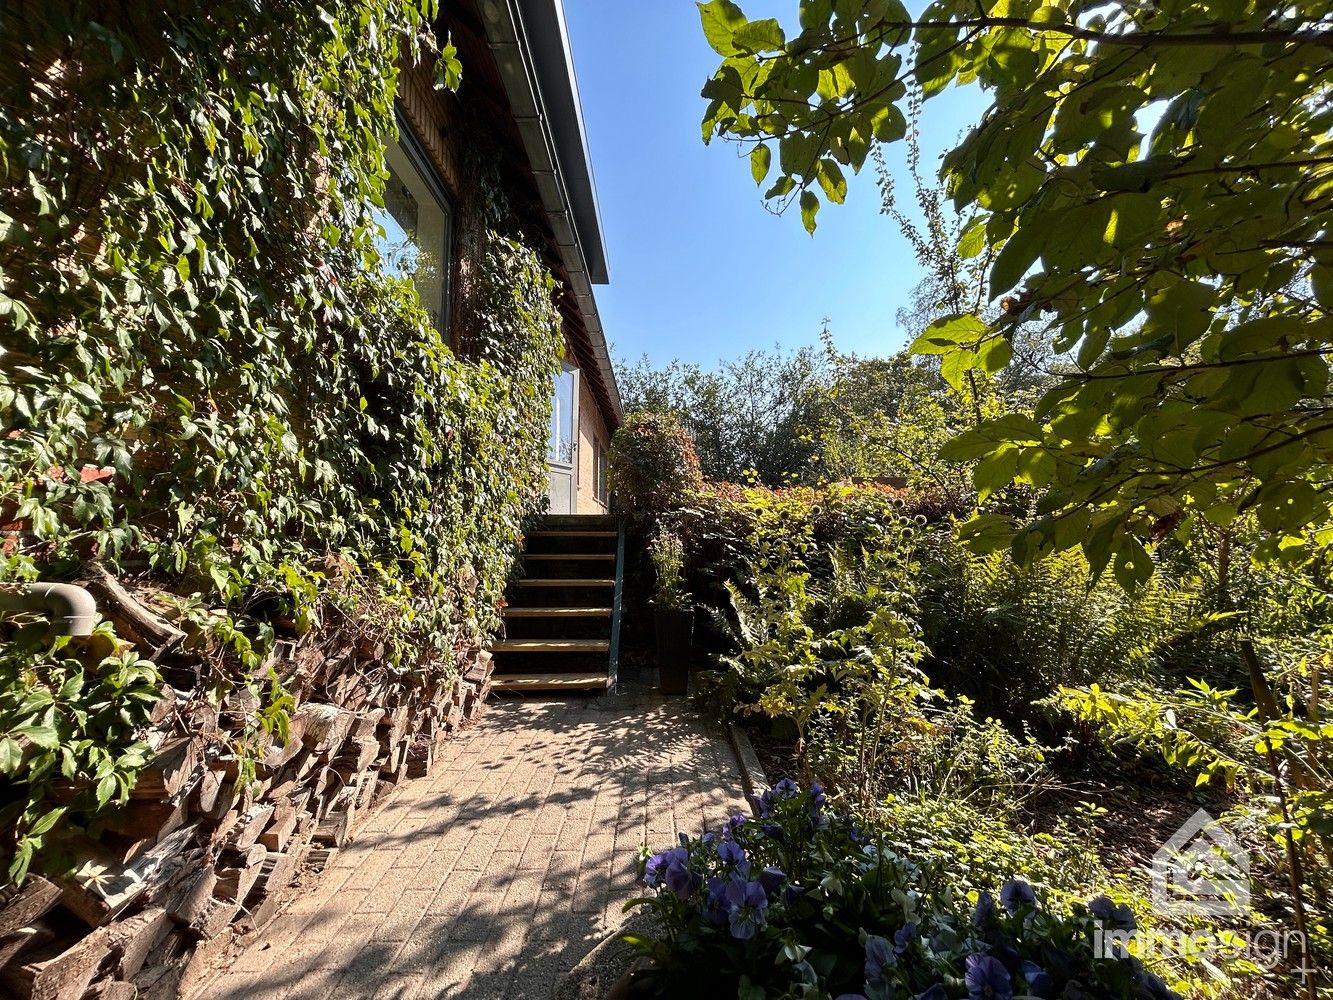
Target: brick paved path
[[500, 871]]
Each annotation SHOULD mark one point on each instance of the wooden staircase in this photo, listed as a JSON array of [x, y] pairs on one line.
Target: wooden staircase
[[562, 624]]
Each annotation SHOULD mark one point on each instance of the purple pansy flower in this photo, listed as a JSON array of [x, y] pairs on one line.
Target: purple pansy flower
[[786, 789], [988, 979], [879, 955], [985, 911], [1015, 894], [1121, 917], [1038, 979], [679, 879], [715, 903], [771, 878], [904, 937], [655, 868], [746, 902], [731, 853]]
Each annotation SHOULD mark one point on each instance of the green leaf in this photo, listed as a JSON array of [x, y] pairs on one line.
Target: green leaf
[[106, 788], [832, 181], [761, 158], [809, 208], [1019, 252], [759, 36], [946, 333], [11, 756], [721, 20], [972, 240], [48, 820], [43, 736]]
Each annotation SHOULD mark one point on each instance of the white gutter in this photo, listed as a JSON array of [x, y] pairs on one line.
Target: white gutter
[[531, 47]]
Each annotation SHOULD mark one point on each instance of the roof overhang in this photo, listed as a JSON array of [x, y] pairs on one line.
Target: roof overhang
[[531, 48]]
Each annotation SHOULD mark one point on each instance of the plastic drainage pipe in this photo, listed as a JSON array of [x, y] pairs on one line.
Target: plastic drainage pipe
[[71, 608]]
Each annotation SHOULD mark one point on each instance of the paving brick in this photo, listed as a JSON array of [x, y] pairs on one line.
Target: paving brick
[[501, 871]]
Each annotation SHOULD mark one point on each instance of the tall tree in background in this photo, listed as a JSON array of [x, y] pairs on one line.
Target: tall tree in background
[[1154, 183], [749, 417]]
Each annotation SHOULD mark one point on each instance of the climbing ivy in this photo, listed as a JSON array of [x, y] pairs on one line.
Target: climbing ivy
[[207, 376]]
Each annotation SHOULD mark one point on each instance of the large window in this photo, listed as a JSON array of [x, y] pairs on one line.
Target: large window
[[560, 443], [417, 227]]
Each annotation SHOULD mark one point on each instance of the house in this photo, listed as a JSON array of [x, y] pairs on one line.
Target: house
[[519, 80], [520, 94]]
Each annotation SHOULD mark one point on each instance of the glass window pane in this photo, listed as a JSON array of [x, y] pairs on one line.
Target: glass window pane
[[416, 232], [560, 446]]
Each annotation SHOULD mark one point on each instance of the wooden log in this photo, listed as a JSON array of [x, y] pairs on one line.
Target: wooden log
[[133, 938], [170, 769], [365, 790], [113, 989], [25, 939], [166, 706], [421, 757], [208, 957], [159, 982], [60, 970], [215, 917], [237, 874], [136, 622], [267, 898], [335, 828], [280, 829], [357, 755], [250, 826], [33, 901], [208, 792], [325, 727], [366, 723], [481, 667], [277, 755], [192, 897], [392, 728], [454, 719], [100, 890], [140, 821]]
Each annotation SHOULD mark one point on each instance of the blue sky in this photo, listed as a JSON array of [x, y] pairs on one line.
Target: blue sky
[[699, 270]]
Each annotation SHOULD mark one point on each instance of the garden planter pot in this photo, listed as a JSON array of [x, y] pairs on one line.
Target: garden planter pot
[[675, 627]]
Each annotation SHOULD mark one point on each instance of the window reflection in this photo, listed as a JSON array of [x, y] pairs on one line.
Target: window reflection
[[560, 445], [415, 220]]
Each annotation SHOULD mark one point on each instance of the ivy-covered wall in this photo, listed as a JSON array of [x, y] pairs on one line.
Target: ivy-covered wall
[[208, 384]]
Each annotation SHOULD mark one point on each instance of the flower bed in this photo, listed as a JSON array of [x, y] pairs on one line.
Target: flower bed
[[801, 903]]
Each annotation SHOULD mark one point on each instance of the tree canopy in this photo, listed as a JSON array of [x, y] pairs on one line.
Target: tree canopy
[[1153, 183]]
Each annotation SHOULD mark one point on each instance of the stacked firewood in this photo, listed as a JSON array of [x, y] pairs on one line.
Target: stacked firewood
[[161, 890]]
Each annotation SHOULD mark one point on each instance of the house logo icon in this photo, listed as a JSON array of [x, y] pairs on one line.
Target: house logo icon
[[1202, 871]]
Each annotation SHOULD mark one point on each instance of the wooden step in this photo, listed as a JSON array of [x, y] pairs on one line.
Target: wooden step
[[551, 682], [556, 612], [568, 533], [570, 583], [551, 646], [550, 556], [601, 522]]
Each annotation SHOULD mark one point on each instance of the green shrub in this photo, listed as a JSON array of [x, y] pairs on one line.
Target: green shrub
[[800, 902], [653, 465], [668, 557], [1010, 636]]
